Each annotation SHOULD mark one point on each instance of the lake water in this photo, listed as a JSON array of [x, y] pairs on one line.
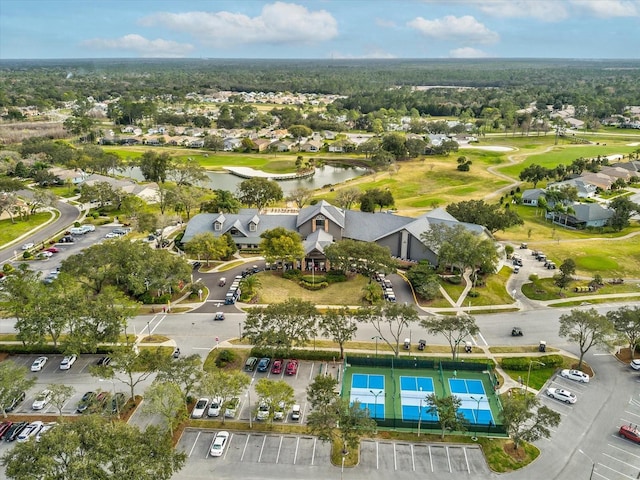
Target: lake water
[[326, 175]]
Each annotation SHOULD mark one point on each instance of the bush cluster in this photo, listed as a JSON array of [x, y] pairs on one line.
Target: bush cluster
[[522, 363], [292, 274], [312, 286], [149, 299], [225, 357], [299, 354]]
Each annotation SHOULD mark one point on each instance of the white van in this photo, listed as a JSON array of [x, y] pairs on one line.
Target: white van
[[295, 412], [77, 231], [88, 228]]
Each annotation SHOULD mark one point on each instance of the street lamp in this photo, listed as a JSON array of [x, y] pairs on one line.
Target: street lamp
[[239, 330], [149, 327], [477, 400], [376, 338], [375, 405], [420, 410], [593, 464], [531, 362], [249, 397]]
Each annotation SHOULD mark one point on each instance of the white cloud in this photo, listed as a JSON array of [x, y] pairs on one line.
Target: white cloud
[[608, 8], [143, 47], [467, 52], [547, 10], [381, 22], [278, 23], [464, 29]]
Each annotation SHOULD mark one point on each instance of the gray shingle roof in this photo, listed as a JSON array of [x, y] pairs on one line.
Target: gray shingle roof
[[323, 207], [368, 227], [317, 241]]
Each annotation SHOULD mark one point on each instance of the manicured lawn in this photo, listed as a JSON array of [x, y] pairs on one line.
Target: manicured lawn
[[276, 289], [494, 292], [10, 231], [452, 289], [544, 289]]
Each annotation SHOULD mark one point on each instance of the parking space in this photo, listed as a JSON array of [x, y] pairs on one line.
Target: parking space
[[422, 458], [621, 457], [246, 447]]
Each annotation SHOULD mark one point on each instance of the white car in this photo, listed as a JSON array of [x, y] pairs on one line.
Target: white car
[[263, 412], [635, 364], [219, 443], [201, 406], [278, 414], [45, 428], [295, 412], [112, 235], [42, 400], [29, 431], [67, 361], [38, 364], [27, 246], [45, 254], [575, 375], [562, 395], [231, 407], [214, 408]]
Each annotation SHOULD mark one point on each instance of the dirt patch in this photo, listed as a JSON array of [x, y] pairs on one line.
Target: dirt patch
[[518, 455]]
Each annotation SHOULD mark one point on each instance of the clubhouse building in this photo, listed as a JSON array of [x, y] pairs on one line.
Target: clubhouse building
[[322, 224]]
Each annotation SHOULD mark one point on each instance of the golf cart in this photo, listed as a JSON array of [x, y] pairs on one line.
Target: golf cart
[[516, 332]]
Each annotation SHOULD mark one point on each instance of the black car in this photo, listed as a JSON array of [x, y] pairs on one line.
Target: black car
[[117, 402], [87, 400], [16, 401], [263, 364], [67, 239], [14, 431], [103, 361]]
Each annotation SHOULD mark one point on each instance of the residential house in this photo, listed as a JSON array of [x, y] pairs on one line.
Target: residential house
[[616, 173], [584, 188], [322, 224], [282, 146], [600, 180], [75, 177], [584, 215], [342, 146], [262, 144], [311, 146], [230, 144], [329, 135], [531, 196]]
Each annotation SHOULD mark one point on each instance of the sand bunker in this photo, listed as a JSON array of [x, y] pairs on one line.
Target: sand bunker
[[634, 144], [491, 148]]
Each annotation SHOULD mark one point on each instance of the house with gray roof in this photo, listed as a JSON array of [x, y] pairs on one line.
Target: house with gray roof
[[322, 224], [531, 196], [584, 215]]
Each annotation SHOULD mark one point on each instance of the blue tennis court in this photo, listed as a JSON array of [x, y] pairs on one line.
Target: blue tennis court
[[369, 391], [475, 403], [461, 385], [413, 393]]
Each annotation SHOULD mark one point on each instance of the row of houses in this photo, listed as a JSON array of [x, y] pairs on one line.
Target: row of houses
[[590, 214]]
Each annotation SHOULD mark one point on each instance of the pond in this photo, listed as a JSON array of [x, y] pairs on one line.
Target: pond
[[324, 176]]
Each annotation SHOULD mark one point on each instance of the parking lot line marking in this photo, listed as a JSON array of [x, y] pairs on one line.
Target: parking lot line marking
[[313, 453], [466, 459], [613, 470], [395, 459], [483, 340], [622, 449], [413, 460], [620, 461], [279, 448], [264, 440], [295, 454], [377, 456], [313, 364], [631, 413], [430, 459], [448, 459], [194, 444], [228, 447], [245, 447]]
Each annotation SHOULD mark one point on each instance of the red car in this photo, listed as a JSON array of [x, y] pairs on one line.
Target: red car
[[292, 367], [4, 426], [276, 368], [629, 432], [52, 250]]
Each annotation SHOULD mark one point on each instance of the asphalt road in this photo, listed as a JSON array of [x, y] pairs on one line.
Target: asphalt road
[[68, 215]]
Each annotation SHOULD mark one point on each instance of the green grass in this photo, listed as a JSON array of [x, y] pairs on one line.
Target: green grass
[[494, 292], [544, 289], [9, 231], [453, 290]]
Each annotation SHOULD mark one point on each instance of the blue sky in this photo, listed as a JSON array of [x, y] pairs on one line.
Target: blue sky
[[320, 28]]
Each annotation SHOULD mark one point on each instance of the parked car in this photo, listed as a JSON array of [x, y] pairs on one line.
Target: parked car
[[575, 375], [86, 401], [68, 361], [276, 368], [38, 364], [103, 361], [45, 254], [15, 402], [218, 316], [14, 430], [263, 411], [67, 239], [27, 246], [215, 407], [292, 367], [231, 407], [101, 399], [295, 412], [52, 250], [263, 364], [86, 228], [4, 426], [42, 400], [562, 395], [219, 443], [278, 413], [29, 431], [250, 364], [630, 433], [635, 364], [45, 428], [117, 402], [199, 409]]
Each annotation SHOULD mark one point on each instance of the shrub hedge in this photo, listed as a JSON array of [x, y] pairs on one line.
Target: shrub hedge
[[522, 363]]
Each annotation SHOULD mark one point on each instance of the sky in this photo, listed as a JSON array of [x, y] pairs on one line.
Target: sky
[[319, 29]]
